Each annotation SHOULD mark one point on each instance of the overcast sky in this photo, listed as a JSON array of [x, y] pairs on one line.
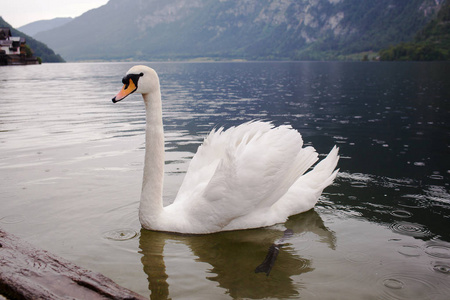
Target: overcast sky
[[21, 12]]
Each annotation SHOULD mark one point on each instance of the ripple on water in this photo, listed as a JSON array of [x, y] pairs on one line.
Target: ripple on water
[[407, 286], [441, 267], [436, 177], [401, 213], [410, 229], [438, 250], [393, 283], [410, 250], [412, 201], [304, 265], [359, 184], [120, 234], [12, 219], [358, 257]]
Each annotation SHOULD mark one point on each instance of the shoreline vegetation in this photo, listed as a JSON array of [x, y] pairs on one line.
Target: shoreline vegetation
[[432, 43]]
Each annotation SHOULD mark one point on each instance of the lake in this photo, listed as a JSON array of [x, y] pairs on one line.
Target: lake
[[71, 172]]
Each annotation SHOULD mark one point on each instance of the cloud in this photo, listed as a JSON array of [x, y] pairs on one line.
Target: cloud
[[21, 12]]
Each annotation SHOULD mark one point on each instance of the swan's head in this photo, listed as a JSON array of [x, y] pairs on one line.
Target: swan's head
[[139, 79]]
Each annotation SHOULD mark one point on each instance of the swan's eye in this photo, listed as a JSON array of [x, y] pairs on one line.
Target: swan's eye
[[134, 77]]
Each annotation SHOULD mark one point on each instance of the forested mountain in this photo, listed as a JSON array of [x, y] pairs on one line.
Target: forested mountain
[[40, 49], [35, 27], [239, 29], [430, 43]]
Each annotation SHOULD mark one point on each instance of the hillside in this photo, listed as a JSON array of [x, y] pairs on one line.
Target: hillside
[[35, 27], [40, 49], [430, 43], [241, 29]]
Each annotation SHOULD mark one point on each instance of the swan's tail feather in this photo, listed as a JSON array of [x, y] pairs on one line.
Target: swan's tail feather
[[325, 171], [304, 193]]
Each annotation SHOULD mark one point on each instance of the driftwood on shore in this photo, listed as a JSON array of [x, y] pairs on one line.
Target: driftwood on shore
[[30, 273]]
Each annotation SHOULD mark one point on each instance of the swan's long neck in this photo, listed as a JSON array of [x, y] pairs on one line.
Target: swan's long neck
[[151, 197]]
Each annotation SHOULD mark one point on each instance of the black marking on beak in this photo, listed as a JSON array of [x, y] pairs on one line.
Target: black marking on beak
[[134, 77]]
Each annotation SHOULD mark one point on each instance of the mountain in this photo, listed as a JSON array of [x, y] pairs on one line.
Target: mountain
[[35, 27], [239, 29], [40, 49], [430, 43]]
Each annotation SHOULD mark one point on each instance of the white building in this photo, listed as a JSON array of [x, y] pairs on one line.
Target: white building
[[10, 44], [13, 49]]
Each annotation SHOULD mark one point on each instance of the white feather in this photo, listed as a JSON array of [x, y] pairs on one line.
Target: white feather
[[248, 176]]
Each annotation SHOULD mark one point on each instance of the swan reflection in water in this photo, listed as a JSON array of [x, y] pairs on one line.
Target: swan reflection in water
[[233, 257]]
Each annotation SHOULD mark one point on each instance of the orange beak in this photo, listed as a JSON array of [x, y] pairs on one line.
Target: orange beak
[[126, 90]]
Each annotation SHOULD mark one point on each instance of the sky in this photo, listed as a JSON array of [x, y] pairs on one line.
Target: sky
[[21, 12]]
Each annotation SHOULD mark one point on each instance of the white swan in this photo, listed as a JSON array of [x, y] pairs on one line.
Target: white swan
[[248, 176]]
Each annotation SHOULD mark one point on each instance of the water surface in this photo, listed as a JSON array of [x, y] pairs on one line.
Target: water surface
[[71, 170]]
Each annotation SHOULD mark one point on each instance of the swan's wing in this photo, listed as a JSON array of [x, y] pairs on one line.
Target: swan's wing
[[202, 166], [244, 169], [301, 196]]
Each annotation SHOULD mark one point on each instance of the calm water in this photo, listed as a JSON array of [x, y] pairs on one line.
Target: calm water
[[71, 167]]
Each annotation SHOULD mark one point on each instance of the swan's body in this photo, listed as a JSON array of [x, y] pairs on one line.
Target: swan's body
[[248, 176]]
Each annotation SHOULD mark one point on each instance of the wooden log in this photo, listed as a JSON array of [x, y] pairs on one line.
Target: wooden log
[[30, 273]]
